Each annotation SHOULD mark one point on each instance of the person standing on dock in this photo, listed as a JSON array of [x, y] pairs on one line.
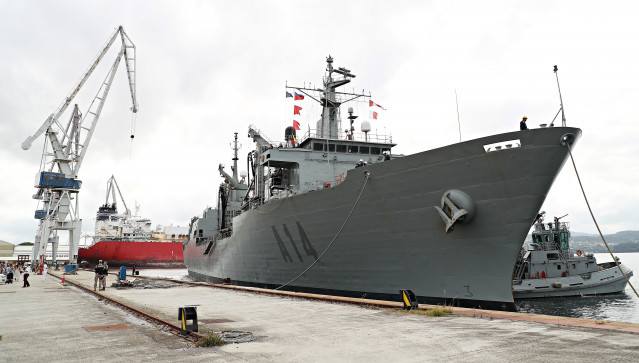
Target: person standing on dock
[[105, 272], [27, 271], [99, 269], [45, 269]]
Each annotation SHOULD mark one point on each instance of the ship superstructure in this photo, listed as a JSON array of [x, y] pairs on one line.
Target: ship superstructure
[[112, 225], [336, 212]]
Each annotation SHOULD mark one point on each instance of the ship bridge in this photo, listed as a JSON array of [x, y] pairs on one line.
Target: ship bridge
[[317, 163]]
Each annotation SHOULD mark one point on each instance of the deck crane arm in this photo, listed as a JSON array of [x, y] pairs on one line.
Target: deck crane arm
[[255, 134], [231, 180], [112, 187]]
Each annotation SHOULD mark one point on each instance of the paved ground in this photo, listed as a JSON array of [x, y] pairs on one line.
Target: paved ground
[[46, 321]]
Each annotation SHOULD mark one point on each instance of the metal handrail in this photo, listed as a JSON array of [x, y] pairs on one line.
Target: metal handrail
[[357, 136]]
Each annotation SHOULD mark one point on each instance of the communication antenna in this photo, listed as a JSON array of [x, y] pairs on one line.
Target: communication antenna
[[561, 103], [235, 145], [458, 123]]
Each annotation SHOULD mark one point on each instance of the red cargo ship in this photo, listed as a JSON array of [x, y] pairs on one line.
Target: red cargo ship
[[138, 253], [126, 240]]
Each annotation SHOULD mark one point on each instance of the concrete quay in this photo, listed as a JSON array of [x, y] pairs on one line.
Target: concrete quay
[[49, 321]]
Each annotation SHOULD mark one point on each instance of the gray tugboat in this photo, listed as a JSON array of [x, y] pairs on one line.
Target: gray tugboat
[[445, 223], [548, 267]]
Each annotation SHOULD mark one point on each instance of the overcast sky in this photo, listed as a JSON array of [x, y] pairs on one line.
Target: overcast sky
[[207, 69]]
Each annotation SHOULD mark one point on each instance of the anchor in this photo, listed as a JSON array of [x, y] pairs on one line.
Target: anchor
[[456, 207]]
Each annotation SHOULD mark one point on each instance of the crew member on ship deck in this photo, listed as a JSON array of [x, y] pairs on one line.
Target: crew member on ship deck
[[522, 124]]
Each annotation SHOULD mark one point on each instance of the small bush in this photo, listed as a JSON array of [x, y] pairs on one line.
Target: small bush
[[210, 340]]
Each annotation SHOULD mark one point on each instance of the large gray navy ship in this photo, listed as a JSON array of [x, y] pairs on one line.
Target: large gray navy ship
[[336, 212]]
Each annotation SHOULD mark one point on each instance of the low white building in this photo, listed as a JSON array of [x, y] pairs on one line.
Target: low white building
[[6, 251]]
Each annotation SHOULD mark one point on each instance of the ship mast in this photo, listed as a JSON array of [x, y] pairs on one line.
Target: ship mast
[[329, 124], [235, 148]]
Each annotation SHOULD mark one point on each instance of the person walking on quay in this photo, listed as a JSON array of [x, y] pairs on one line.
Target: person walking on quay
[[104, 276], [44, 272], [17, 272], [9, 272], [99, 269], [27, 271]]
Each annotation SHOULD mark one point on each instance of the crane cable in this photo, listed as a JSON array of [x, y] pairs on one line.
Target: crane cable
[[134, 117], [594, 220], [368, 176]]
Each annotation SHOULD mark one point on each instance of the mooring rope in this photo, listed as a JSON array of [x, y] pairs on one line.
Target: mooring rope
[[594, 220], [368, 176]]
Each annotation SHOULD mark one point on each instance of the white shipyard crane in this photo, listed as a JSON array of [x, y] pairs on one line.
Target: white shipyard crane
[[56, 180]]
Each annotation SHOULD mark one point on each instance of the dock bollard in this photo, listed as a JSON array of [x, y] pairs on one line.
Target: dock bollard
[[187, 313], [409, 299]]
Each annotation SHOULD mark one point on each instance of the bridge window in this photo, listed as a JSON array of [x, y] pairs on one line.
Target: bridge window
[[353, 149], [364, 149], [376, 151], [331, 147], [341, 148], [553, 256], [318, 147]]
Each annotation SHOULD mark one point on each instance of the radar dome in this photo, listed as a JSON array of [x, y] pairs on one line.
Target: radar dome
[[243, 174], [366, 126]]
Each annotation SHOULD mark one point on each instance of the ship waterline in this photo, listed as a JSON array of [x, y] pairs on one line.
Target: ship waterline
[[395, 238]]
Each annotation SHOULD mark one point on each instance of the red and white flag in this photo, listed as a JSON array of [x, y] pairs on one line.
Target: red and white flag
[[296, 110], [371, 104], [296, 125], [373, 115]]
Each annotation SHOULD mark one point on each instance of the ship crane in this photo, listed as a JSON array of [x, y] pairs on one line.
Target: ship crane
[[112, 187], [57, 180]]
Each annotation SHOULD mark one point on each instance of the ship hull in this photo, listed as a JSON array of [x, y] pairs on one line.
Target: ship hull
[[129, 253], [395, 239]]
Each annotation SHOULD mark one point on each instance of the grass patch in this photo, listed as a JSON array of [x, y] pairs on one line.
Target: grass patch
[[439, 312], [443, 311], [210, 340]]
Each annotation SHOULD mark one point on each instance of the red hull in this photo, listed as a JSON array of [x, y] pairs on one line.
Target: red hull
[[140, 254]]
